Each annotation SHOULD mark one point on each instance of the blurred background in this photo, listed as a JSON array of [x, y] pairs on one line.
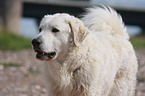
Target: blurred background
[[20, 71]]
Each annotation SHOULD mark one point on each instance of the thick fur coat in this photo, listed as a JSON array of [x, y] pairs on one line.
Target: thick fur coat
[[94, 56]]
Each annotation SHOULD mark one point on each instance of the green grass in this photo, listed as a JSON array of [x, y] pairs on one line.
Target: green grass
[[10, 65], [34, 71], [141, 80], [9, 41], [138, 42]]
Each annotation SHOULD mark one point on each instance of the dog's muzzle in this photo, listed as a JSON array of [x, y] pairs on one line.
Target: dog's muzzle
[[41, 54]]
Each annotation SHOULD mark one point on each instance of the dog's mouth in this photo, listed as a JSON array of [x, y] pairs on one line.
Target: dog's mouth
[[48, 56]]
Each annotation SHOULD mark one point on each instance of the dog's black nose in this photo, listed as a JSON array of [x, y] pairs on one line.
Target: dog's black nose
[[36, 42]]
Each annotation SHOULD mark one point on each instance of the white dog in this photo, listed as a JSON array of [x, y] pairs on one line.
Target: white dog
[[89, 58]]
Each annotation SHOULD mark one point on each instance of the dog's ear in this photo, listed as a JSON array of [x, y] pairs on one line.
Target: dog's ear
[[78, 30]]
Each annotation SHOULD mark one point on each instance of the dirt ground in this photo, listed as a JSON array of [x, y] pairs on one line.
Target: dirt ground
[[22, 75]]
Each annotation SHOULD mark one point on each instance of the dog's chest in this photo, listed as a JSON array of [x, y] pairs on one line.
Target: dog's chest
[[65, 85]]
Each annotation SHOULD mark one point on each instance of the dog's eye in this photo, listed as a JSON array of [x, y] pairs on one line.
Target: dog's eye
[[40, 30], [55, 30]]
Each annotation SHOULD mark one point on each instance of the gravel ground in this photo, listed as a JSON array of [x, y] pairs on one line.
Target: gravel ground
[[23, 78]]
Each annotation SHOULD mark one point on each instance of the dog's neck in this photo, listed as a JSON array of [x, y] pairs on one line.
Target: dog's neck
[[62, 56]]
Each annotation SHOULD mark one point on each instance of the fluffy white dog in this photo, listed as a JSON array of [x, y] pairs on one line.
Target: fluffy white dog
[[89, 58]]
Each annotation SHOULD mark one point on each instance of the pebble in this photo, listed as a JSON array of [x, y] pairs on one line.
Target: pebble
[[44, 90], [37, 87], [1, 67]]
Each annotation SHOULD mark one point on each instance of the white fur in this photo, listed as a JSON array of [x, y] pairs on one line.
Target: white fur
[[101, 50]]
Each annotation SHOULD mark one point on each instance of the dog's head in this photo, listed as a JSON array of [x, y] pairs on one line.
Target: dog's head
[[55, 34]]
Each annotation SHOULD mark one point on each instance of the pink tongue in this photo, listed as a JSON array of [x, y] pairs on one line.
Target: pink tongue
[[45, 57]]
